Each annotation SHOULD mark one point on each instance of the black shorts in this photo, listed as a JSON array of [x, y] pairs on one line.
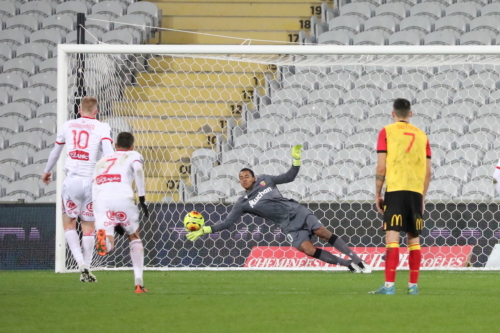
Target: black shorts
[[403, 212]]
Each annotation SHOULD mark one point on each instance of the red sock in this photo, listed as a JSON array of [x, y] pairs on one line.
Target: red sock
[[414, 261], [391, 261]]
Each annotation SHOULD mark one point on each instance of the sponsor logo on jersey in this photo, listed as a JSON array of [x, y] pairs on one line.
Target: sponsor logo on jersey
[[259, 196], [90, 207], [108, 179], [110, 215], [121, 216], [88, 214], [262, 183], [79, 155], [70, 205]]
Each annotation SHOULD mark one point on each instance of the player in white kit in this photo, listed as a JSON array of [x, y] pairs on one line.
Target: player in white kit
[[86, 139], [114, 204]]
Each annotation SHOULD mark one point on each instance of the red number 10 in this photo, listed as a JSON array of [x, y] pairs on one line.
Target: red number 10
[[411, 142], [78, 137]]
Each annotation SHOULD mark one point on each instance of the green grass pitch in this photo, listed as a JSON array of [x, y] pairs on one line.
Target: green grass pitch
[[248, 301]]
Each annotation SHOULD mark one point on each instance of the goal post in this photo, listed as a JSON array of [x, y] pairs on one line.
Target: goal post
[[202, 112]]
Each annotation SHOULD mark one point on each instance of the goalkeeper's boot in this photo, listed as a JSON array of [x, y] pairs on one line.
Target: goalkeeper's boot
[[91, 277], [85, 274], [384, 291], [353, 268], [140, 289], [365, 268], [413, 290], [100, 244]]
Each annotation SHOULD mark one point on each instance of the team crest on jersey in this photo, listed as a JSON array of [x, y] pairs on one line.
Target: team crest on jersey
[[90, 207], [262, 183], [79, 155], [110, 215], [70, 205]]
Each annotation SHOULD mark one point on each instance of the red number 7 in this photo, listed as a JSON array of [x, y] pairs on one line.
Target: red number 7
[[112, 160], [411, 142]]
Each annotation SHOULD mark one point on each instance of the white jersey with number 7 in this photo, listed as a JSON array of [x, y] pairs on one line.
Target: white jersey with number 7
[[83, 138]]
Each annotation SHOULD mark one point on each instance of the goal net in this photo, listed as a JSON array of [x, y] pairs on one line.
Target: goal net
[[201, 113]]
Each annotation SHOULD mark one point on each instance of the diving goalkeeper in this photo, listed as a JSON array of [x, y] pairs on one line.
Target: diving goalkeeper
[[263, 199]]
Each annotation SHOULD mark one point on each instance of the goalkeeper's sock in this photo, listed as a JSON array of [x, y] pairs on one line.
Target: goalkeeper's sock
[[414, 260], [88, 241], [137, 255], [330, 258], [391, 261], [74, 245], [342, 247]]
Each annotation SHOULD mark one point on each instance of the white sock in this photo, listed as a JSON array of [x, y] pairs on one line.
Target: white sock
[[137, 256], [74, 245], [88, 242], [411, 285], [109, 247], [389, 284]]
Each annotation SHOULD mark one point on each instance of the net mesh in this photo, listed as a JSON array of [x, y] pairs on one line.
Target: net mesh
[[198, 119]]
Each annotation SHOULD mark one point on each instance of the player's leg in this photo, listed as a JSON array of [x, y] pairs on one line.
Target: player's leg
[[340, 245], [69, 225], [87, 223], [88, 228], [308, 248], [413, 231], [105, 220], [137, 256]]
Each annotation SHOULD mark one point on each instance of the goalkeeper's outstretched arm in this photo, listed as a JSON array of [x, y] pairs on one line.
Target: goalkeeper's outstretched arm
[[290, 175]]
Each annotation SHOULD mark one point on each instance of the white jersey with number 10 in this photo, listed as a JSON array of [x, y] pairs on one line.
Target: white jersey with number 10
[[114, 174], [83, 138]]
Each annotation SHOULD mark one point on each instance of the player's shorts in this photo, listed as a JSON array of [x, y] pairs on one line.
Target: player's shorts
[[299, 236], [403, 211], [110, 212], [77, 198]]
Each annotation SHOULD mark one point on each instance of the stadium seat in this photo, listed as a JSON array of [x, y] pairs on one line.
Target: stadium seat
[[362, 10], [98, 25], [420, 25], [479, 189], [295, 190], [34, 51], [110, 9], [366, 139], [218, 187], [134, 24], [344, 171], [316, 156], [34, 97], [71, 38], [48, 66], [14, 156], [455, 24], [329, 140], [305, 81], [405, 38], [466, 156], [388, 96], [374, 80], [489, 25], [334, 38], [257, 141], [349, 25], [24, 23], [287, 140], [9, 125], [384, 23], [444, 37], [12, 38], [30, 142], [441, 96], [6, 53], [483, 80], [18, 111], [326, 190], [398, 10], [431, 10], [291, 96], [450, 123], [33, 172], [37, 9], [361, 189], [459, 170], [42, 156], [71, 8], [229, 171], [7, 10], [491, 157], [43, 126], [318, 110], [488, 123], [471, 96], [45, 81], [4, 97], [476, 38], [11, 82], [60, 22], [446, 188], [278, 110], [468, 10], [24, 188], [340, 81], [8, 173], [202, 161], [269, 169], [353, 70], [364, 96], [414, 81], [492, 9], [353, 157], [461, 110], [270, 125], [148, 10], [370, 38], [375, 122], [445, 140], [277, 155], [48, 37], [340, 123], [438, 155], [482, 140], [241, 156], [307, 125]]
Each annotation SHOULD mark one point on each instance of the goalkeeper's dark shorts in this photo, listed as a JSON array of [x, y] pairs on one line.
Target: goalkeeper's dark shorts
[[403, 212], [304, 232]]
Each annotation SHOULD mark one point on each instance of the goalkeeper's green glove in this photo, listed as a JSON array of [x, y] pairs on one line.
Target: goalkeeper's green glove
[[296, 154], [193, 235]]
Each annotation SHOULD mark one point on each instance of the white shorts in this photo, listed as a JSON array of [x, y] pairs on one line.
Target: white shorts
[[110, 212], [77, 198]]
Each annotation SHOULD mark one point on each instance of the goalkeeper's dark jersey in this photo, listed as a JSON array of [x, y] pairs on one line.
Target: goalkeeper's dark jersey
[[265, 200]]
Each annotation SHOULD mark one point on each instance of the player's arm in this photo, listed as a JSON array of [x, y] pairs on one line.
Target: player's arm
[[428, 174], [106, 141], [381, 169], [54, 156], [290, 175], [233, 217], [140, 183]]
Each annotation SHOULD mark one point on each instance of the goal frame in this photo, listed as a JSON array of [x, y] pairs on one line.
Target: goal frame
[[63, 50]]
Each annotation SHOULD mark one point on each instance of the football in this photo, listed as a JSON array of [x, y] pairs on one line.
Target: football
[[193, 221]]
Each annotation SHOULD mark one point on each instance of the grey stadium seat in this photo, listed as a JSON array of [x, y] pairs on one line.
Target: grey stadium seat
[[370, 38], [482, 140], [413, 81], [431, 10], [71, 38], [24, 23], [277, 155], [488, 24], [8, 173], [26, 188], [4, 97], [7, 10], [306, 81], [45, 81], [467, 156], [34, 51], [482, 80], [290, 96], [491, 157], [278, 110], [383, 23], [229, 171], [349, 25], [48, 66], [421, 25], [361, 9], [16, 110], [47, 110], [12, 38], [42, 156], [98, 24], [374, 80], [71, 8], [256, 141], [455, 124], [327, 96], [316, 156], [44, 126], [479, 189], [34, 97], [340, 82], [11, 82], [398, 10], [455, 24], [493, 9], [218, 187], [31, 142], [60, 22], [268, 125], [146, 9], [287, 140], [48, 37], [334, 38], [39, 9], [441, 38], [391, 94], [341, 123], [119, 37], [111, 9], [366, 96], [447, 80], [468, 10], [295, 190], [14, 156], [486, 123], [476, 38], [9, 125], [477, 96], [445, 188], [319, 111], [405, 38], [5, 53], [307, 125], [460, 110], [22, 66]]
